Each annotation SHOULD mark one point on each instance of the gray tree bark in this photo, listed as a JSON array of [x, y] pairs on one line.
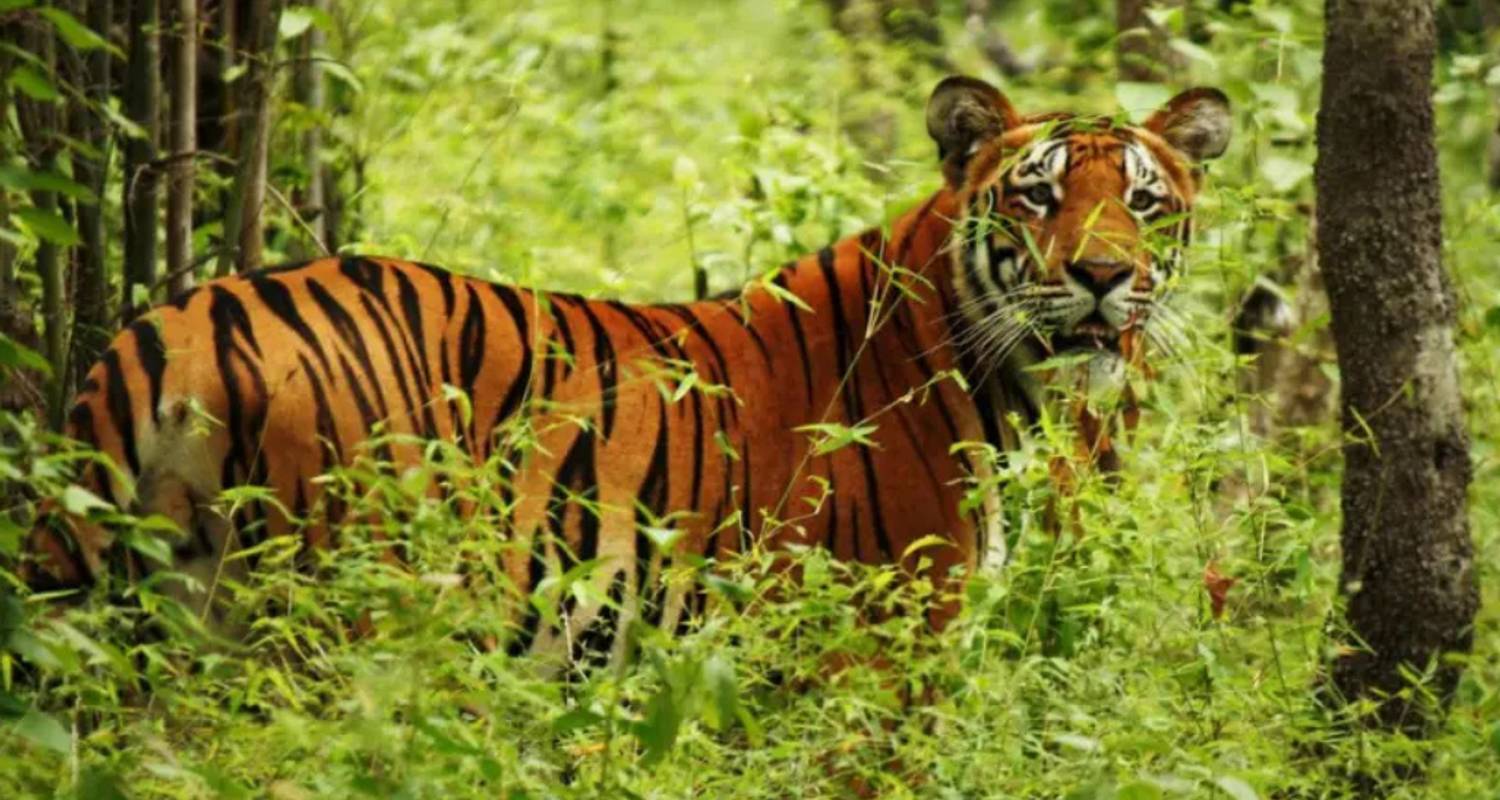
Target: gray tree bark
[[1408, 571], [310, 92], [143, 107], [243, 221], [92, 315], [184, 144]]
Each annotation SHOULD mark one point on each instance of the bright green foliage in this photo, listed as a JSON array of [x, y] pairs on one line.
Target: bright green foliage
[[609, 146]]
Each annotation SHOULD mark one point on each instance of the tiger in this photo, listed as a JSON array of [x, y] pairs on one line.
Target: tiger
[[919, 334]]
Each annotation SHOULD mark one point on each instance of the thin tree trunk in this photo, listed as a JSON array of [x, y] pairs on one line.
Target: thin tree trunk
[[142, 106], [1141, 49], [243, 224], [1408, 560], [10, 313], [91, 293], [41, 130], [184, 143], [311, 94]]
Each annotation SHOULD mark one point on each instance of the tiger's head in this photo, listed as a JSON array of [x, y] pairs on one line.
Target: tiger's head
[[1071, 228]]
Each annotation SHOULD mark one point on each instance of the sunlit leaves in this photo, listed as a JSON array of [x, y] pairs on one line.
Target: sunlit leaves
[[48, 225], [33, 83], [74, 33], [14, 354], [828, 437]]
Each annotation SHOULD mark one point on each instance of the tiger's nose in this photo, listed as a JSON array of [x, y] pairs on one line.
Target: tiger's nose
[[1099, 277]]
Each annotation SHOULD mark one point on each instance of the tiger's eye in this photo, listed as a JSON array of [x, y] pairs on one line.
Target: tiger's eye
[[1140, 200], [1040, 194]]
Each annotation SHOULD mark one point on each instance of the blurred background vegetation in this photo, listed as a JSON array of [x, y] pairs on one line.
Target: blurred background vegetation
[[626, 148]]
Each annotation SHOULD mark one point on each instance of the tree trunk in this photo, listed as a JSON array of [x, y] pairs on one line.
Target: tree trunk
[[11, 318], [184, 143], [91, 316], [42, 130], [1408, 571], [142, 106], [243, 225], [310, 93], [1141, 49]]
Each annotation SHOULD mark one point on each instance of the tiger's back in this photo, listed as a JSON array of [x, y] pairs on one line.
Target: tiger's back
[[276, 377]]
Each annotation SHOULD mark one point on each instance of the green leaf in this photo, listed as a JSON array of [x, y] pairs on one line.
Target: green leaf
[[930, 540], [1140, 100], [1236, 788], [832, 436], [658, 731], [1083, 744], [12, 534], [15, 354], [32, 83], [45, 731], [577, 719], [98, 784], [48, 225], [80, 501], [1283, 174], [25, 180], [294, 22], [78, 35], [1139, 790]]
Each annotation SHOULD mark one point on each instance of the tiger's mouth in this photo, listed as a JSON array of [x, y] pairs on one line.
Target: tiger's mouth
[[1092, 333]]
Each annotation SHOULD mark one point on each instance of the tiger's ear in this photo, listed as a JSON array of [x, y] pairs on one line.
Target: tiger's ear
[[961, 113], [1196, 122]]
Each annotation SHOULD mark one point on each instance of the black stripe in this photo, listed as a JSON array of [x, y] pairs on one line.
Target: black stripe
[[152, 354], [367, 413], [642, 325], [445, 283], [411, 310], [745, 322], [370, 277], [522, 381], [651, 506], [345, 326], [234, 315], [471, 353], [578, 475], [278, 298], [120, 414], [747, 509], [605, 366], [843, 347], [325, 426], [791, 312], [852, 399], [718, 368], [228, 317], [364, 273], [566, 332], [393, 358]]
